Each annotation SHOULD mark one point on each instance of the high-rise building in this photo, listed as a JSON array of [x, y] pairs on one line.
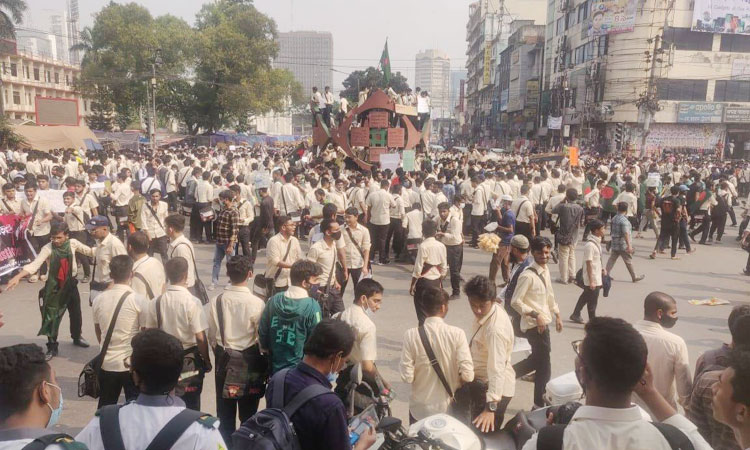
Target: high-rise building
[[457, 76], [433, 74], [309, 56]]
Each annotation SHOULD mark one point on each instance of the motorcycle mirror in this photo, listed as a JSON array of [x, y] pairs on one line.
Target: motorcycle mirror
[[388, 424]]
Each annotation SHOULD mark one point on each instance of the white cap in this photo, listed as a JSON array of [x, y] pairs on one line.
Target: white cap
[[506, 198]]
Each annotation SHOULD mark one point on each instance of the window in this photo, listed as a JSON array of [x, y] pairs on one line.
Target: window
[[732, 91], [47, 76], [14, 69], [686, 39], [570, 19], [67, 80], [739, 43], [26, 72], [16, 98], [36, 73], [28, 99], [603, 45], [57, 77], [560, 26], [675, 89]]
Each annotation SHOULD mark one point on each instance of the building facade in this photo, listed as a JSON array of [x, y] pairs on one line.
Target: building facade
[[26, 76], [663, 77], [309, 56], [433, 74]]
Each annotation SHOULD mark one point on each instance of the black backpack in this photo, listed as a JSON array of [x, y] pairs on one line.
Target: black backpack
[[272, 428], [551, 437], [61, 439], [109, 423]]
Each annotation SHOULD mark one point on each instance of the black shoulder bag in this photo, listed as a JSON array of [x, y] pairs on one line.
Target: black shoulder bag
[[436, 365], [200, 289], [88, 380]]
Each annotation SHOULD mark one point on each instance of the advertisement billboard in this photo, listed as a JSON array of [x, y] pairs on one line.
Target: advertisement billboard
[[700, 112], [736, 114], [486, 78], [612, 17], [56, 111], [721, 16]]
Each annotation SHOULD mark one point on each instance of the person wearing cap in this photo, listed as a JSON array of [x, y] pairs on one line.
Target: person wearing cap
[[107, 247], [58, 295], [506, 229], [520, 260]]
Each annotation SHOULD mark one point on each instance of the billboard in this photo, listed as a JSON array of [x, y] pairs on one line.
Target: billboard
[[612, 17], [56, 111], [722, 16], [487, 63], [700, 112]]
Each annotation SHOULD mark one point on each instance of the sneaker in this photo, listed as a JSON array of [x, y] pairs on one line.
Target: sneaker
[[652, 256], [576, 319], [81, 342], [33, 279], [639, 278], [86, 280], [675, 257], [529, 377], [455, 297], [43, 278], [211, 287]]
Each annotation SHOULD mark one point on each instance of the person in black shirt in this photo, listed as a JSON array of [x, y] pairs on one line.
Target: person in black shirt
[[671, 214], [321, 422], [264, 223]]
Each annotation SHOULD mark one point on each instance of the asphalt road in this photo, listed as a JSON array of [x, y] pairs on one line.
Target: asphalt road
[[714, 271]]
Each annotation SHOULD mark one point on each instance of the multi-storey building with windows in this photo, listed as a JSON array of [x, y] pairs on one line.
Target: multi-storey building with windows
[[309, 56]]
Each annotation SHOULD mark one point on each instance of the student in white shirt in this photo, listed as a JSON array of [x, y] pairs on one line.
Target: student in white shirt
[[180, 245], [149, 279], [114, 375], [155, 366], [76, 222], [430, 267], [38, 208], [428, 393], [153, 214], [611, 366], [233, 320], [667, 352]]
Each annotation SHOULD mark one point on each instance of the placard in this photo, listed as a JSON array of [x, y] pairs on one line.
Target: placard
[[378, 119], [55, 199], [389, 161], [375, 152], [396, 137], [408, 160], [360, 137]]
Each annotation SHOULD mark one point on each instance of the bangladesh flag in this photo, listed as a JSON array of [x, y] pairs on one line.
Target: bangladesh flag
[[609, 193], [385, 64]]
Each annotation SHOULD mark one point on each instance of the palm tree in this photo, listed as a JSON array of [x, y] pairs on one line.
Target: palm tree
[[11, 14]]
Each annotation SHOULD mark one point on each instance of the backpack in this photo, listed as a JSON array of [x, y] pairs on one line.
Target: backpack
[[669, 209], [551, 437], [272, 428], [61, 439]]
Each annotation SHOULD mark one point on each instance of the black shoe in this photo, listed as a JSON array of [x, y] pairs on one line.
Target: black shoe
[[576, 319], [455, 297], [692, 238], [81, 342], [51, 351]]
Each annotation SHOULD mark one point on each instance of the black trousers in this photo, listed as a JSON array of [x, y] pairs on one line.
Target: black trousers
[[378, 234], [173, 201], [467, 216], [81, 260], [704, 228], [471, 399], [159, 246], [38, 242], [718, 223], [743, 225], [455, 256], [421, 285], [112, 383], [243, 236], [589, 298], [201, 226], [395, 234], [538, 361], [668, 236], [227, 408], [477, 228], [524, 228], [354, 275]]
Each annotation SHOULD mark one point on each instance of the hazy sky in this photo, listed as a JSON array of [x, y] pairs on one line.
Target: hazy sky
[[359, 27]]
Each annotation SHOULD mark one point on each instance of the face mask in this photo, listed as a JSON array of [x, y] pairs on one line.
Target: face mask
[[368, 311], [56, 412], [333, 376], [336, 236], [668, 321]]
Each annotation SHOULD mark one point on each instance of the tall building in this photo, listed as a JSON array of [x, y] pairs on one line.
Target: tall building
[[25, 76], [457, 76], [656, 76], [433, 74], [309, 56]]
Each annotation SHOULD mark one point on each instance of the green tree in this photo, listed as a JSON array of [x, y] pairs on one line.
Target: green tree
[[371, 77], [8, 136], [11, 14]]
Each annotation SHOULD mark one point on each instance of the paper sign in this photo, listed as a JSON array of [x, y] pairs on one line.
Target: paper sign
[[408, 160], [55, 199], [573, 156], [389, 161]]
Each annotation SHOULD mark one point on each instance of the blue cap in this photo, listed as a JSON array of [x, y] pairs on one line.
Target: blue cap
[[96, 222], [684, 188]]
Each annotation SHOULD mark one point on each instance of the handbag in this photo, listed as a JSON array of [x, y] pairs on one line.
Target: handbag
[[199, 288], [193, 366], [245, 372], [366, 262], [206, 213], [88, 380], [325, 296]]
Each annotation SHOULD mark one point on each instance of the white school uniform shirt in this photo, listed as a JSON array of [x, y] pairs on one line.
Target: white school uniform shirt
[[132, 317], [413, 224], [491, 348], [141, 420], [19, 438], [184, 248], [379, 204], [152, 271], [46, 252], [241, 311], [594, 427], [182, 315], [107, 249], [365, 334], [42, 209], [154, 228]]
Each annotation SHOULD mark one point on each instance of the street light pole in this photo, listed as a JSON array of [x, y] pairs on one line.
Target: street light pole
[[152, 123]]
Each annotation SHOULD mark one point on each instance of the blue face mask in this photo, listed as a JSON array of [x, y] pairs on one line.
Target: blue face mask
[[333, 376], [56, 412]]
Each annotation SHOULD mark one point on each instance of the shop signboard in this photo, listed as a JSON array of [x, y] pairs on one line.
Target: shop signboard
[[612, 17], [700, 112], [721, 16], [736, 114]]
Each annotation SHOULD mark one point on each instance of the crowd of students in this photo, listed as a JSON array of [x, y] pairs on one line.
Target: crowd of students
[[126, 215]]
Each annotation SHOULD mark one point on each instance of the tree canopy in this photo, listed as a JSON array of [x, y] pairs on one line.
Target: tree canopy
[[371, 77], [209, 76]]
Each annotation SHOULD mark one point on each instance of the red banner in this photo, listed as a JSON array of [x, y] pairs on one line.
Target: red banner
[[15, 248]]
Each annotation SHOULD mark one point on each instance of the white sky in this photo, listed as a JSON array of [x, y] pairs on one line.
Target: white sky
[[359, 27]]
